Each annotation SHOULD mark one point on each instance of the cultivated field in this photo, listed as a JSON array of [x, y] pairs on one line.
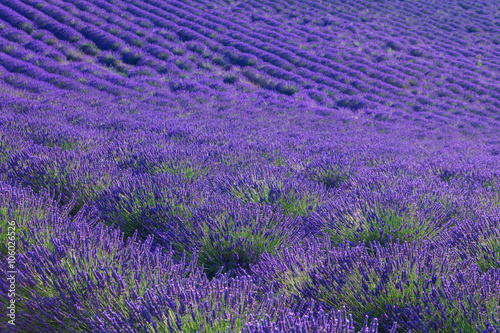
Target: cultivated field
[[256, 166]]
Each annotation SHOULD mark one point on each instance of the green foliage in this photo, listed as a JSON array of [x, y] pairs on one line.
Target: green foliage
[[178, 51], [187, 170], [131, 210], [288, 201], [65, 145], [229, 244], [27, 27], [184, 64], [21, 213], [50, 41], [287, 89], [74, 56], [383, 222], [332, 176], [231, 79], [109, 59]]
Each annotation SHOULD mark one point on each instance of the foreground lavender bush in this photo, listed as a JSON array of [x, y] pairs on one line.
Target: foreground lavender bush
[[81, 276], [405, 283]]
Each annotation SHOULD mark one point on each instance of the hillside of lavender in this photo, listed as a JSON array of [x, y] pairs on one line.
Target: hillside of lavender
[[257, 166]]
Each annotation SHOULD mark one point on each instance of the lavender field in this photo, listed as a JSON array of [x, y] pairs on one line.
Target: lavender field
[[257, 166]]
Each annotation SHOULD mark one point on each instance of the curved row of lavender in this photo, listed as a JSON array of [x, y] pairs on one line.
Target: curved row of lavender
[[250, 166]]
